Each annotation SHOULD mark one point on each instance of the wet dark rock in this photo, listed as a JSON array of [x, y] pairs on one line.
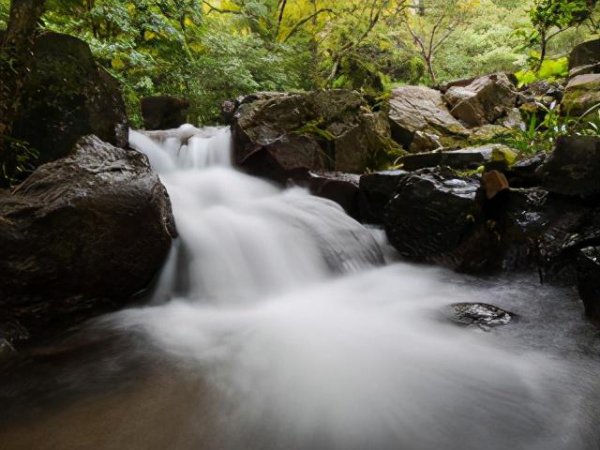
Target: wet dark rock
[[483, 101], [341, 188], [466, 158], [585, 54], [163, 112], [523, 174], [420, 120], [573, 168], [334, 130], [67, 95], [375, 191], [82, 234], [432, 218], [570, 228], [517, 217], [482, 315], [588, 280]]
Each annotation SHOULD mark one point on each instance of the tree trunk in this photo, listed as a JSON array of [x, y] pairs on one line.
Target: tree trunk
[[543, 47], [15, 58], [429, 63]]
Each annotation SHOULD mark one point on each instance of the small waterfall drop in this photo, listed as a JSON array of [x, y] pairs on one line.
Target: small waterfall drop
[[276, 298], [244, 238]]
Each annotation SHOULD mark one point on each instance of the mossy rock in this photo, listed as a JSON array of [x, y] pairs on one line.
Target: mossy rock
[[581, 94]]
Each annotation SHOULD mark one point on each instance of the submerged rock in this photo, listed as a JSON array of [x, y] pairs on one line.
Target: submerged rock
[[66, 96], [481, 315], [82, 234]]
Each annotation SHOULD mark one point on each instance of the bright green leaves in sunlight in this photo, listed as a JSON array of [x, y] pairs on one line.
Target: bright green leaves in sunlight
[[211, 50]]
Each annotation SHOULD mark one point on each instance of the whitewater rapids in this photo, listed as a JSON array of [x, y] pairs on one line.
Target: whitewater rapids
[[278, 299]]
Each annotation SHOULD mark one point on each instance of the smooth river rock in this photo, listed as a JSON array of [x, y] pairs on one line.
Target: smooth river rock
[[82, 234]]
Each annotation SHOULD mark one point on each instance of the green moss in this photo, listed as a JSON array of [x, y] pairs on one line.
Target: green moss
[[313, 128]]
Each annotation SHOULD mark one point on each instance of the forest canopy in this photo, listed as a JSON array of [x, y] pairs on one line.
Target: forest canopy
[[208, 51]]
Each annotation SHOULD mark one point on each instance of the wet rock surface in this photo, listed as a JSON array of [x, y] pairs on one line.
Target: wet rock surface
[[432, 215], [375, 192], [82, 234], [588, 280], [339, 187], [481, 315]]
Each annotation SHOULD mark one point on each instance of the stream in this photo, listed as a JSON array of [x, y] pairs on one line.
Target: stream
[[278, 322]]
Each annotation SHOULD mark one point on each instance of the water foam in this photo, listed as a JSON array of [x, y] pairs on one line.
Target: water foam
[[306, 359]]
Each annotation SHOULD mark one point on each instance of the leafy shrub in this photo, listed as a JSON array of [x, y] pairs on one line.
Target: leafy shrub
[[550, 70]]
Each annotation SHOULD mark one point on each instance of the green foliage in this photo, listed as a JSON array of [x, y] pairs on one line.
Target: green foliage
[[549, 19], [550, 70], [314, 128], [215, 50], [559, 13], [541, 135]]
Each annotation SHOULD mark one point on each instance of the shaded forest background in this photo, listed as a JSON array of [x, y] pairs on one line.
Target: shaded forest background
[[208, 51]]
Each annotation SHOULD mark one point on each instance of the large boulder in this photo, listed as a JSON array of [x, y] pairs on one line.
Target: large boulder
[[277, 134], [432, 218], [573, 168], [82, 234], [581, 94], [420, 120], [483, 101], [375, 191], [585, 58], [163, 112], [68, 95]]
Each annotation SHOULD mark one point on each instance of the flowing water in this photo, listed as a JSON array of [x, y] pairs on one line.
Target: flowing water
[[278, 322]]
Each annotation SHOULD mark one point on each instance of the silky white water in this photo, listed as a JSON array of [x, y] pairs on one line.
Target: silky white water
[[283, 304]]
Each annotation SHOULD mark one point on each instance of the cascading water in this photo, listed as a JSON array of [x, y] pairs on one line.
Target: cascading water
[[305, 360], [275, 325]]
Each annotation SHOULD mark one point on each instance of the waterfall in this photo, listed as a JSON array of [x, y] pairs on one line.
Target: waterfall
[[244, 238], [278, 299]]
